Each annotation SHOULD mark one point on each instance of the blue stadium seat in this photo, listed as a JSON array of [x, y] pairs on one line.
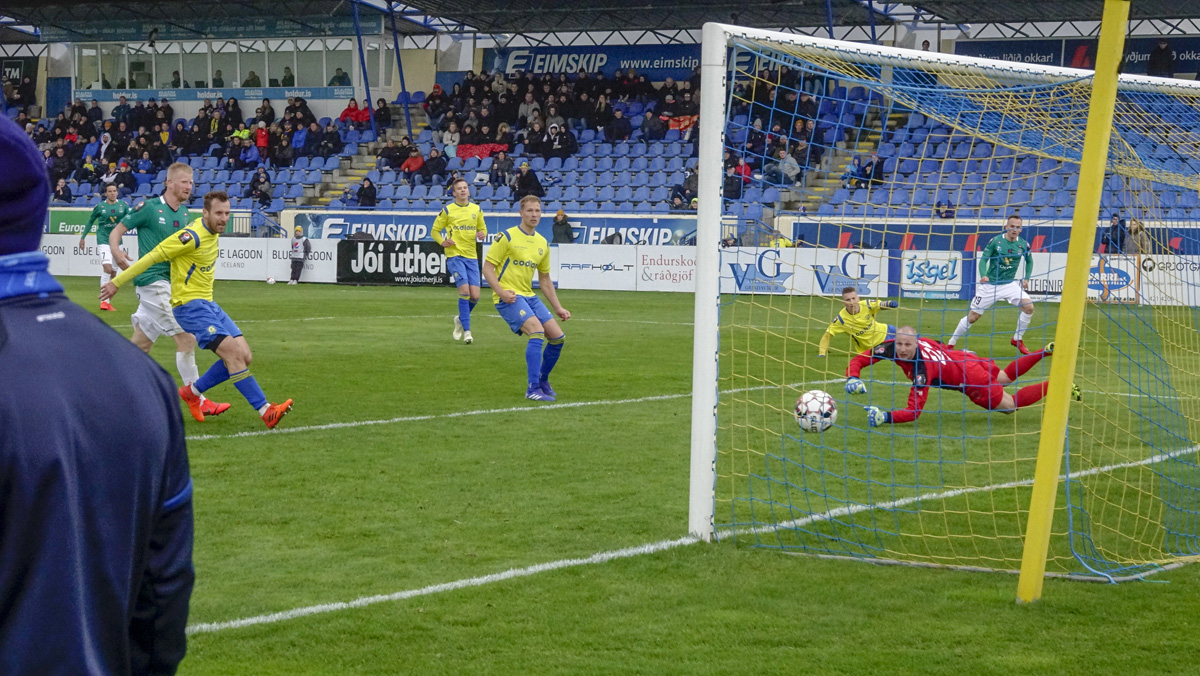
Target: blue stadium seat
[[331, 164], [571, 192], [624, 194], [622, 164], [587, 193]]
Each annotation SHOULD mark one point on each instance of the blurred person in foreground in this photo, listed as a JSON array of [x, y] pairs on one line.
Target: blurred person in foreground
[[95, 492]]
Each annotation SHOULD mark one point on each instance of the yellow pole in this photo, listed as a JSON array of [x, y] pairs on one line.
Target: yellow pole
[[1074, 299]]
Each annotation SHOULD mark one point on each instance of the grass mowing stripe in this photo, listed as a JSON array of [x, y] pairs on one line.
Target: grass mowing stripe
[[650, 548]]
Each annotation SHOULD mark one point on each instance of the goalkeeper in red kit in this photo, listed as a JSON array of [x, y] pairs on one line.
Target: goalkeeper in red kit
[[931, 364]]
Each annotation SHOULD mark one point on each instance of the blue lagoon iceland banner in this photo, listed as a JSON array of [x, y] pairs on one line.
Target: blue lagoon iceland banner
[[657, 62], [192, 94]]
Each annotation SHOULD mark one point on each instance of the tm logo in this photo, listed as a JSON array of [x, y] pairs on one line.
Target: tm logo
[[762, 276], [833, 278]]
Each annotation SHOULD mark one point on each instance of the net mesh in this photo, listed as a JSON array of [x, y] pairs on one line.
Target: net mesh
[[892, 176]]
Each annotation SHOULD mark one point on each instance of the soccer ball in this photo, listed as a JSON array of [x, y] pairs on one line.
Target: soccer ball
[[270, 280], [816, 411]]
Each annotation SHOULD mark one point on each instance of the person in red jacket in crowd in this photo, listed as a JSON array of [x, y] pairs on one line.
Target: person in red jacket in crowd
[[411, 167], [352, 115], [262, 138], [929, 363]]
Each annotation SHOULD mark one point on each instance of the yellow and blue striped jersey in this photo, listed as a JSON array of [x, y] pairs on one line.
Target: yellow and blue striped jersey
[[459, 223], [516, 256], [864, 330], [193, 254]]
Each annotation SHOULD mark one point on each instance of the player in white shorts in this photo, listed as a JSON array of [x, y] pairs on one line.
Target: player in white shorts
[[105, 216], [998, 265]]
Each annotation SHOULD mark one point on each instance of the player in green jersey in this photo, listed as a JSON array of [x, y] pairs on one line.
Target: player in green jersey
[[105, 216], [998, 267], [156, 219]]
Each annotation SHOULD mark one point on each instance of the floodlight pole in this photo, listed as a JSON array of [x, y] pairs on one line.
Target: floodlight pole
[[362, 61]]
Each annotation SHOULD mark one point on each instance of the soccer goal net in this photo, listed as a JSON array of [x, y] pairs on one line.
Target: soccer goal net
[[898, 176]]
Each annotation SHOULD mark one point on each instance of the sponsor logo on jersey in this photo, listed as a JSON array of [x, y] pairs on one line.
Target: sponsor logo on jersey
[[185, 237]]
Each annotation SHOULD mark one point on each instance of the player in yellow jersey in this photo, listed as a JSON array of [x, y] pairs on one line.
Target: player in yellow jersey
[[858, 321], [458, 226], [509, 269], [193, 252]]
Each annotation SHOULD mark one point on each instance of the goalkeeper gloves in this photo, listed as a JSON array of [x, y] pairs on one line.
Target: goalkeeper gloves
[[892, 304], [877, 416], [855, 386]]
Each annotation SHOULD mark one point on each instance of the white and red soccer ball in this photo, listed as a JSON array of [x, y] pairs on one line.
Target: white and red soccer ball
[[816, 411]]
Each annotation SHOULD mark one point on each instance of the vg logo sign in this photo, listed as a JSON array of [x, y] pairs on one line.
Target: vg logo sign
[[764, 275], [851, 270]]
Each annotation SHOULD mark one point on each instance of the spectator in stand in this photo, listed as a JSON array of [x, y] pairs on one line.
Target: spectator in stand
[[783, 171], [339, 79], [262, 140], [62, 192], [383, 114], [470, 142], [561, 143], [873, 170], [554, 116], [233, 112], [249, 157], [944, 208], [331, 142], [365, 114], [1113, 240], [252, 80], [1138, 241], [288, 79], [390, 156], [535, 139], [197, 141], [602, 113], [504, 138], [366, 194], [690, 187], [145, 165], [619, 129], [744, 170], [528, 110], [411, 168], [806, 107], [579, 116], [677, 203], [436, 106], [1162, 60], [265, 113], [299, 140], [733, 184], [312, 144], [120, 112], [527, 184], [109, 177], [450, 139], [126, 183], [669, 88], [433, 170], [561, 229], [350, 115], [855, 176], [285, 154], [501, 172], [218, 80], [260, 187], [95, 114], [60, 165], [86, 173], [231, 154], [686, 115], [813, 137]]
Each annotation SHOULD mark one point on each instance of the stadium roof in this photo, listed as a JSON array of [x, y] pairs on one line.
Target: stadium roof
[[550, 16]]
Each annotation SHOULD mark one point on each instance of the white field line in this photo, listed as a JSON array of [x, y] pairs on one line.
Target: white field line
[[651, 548], [488, 411]]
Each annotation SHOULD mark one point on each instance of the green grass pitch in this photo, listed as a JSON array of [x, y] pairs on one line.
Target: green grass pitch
[[330, 509]]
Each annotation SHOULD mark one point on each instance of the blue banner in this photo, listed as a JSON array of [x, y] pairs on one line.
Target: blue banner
[[241, 94], [411, 226], [656, 62], [202, 29], [1081, 52]]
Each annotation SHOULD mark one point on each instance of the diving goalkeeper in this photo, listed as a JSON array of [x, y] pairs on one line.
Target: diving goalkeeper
[[929, 363], [858, 321]]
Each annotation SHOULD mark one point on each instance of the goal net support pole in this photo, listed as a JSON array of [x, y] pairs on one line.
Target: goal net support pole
[[1074, 299]]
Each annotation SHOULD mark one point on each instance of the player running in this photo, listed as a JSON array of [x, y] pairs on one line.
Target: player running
[[105, 217], [858, 321], [931, 364], [156, 219], [998, 281], [457, 228], [517, 253], [192, 253]]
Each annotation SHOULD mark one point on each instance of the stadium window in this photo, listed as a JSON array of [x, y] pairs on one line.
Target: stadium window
[[87, 66], [195, 64], [224, 61], [338, 54], [373, 56], [310, 63], [281, 54], [166, 65], [112, 67], [253, 59], [141, 66]]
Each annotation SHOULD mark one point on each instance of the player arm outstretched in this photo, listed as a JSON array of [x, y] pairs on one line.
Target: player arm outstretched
[[854, 384], [917, 397], [169, 248]]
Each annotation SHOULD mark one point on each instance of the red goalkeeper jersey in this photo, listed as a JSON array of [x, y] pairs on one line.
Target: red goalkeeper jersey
[[936, 365]]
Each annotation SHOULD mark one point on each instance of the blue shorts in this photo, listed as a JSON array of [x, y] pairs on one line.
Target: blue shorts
[[463, 270], [207, 321], [519, 312]]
